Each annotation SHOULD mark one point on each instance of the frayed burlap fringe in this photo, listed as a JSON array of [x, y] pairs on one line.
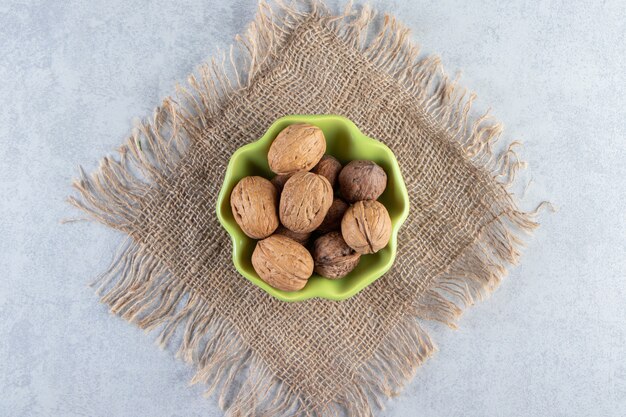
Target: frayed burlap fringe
[[141, 289]]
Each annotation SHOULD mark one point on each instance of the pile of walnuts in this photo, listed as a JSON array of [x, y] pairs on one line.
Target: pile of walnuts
[[312, 194]]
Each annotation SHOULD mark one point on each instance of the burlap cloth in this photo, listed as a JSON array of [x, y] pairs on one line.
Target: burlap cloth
[[319, 357]]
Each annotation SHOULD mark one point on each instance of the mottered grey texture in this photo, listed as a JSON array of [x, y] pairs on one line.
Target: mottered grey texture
[[550, 341]]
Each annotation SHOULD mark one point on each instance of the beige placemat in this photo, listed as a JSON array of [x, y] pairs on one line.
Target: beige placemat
[[174, 272]]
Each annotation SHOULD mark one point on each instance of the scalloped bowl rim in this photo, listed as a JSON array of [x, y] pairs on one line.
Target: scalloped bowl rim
[[235, 232]]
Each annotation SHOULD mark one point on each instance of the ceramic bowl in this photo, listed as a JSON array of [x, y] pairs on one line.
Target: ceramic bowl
[[345, 142]]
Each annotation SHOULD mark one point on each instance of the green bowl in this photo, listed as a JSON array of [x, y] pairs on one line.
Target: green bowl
[[345, 142]]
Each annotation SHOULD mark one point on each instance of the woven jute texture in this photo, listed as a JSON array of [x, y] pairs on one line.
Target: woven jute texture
[[174, 271]]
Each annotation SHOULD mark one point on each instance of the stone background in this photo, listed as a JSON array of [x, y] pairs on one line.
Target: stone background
[[551, 341]]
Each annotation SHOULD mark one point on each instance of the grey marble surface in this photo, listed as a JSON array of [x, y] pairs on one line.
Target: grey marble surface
[[550, 341]]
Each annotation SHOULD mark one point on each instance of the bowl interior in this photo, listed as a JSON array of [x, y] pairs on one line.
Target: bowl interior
[[345, 142]]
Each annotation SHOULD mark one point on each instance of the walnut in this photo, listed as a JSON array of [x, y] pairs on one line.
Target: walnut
[[282, 262], [280, 180], [298, 147], [362, 180], [329, 168], [254, 202], [304, 202], [301, 238], [333, 257], [366, 226], [332, 221]]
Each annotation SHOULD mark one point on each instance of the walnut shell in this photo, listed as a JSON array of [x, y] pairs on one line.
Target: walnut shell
[[332, 221], [333, 257], [328, 167], [301, 238], [254, 202], [298, 147], [304, 202], [282, 262], [362, 180], [366, 226], [280, 180]]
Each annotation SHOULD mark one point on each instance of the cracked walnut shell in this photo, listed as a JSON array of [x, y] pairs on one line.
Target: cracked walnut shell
[[304, 202], [282, 262], [333, 257], [366, 227], [298, 147], [254, 202]]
